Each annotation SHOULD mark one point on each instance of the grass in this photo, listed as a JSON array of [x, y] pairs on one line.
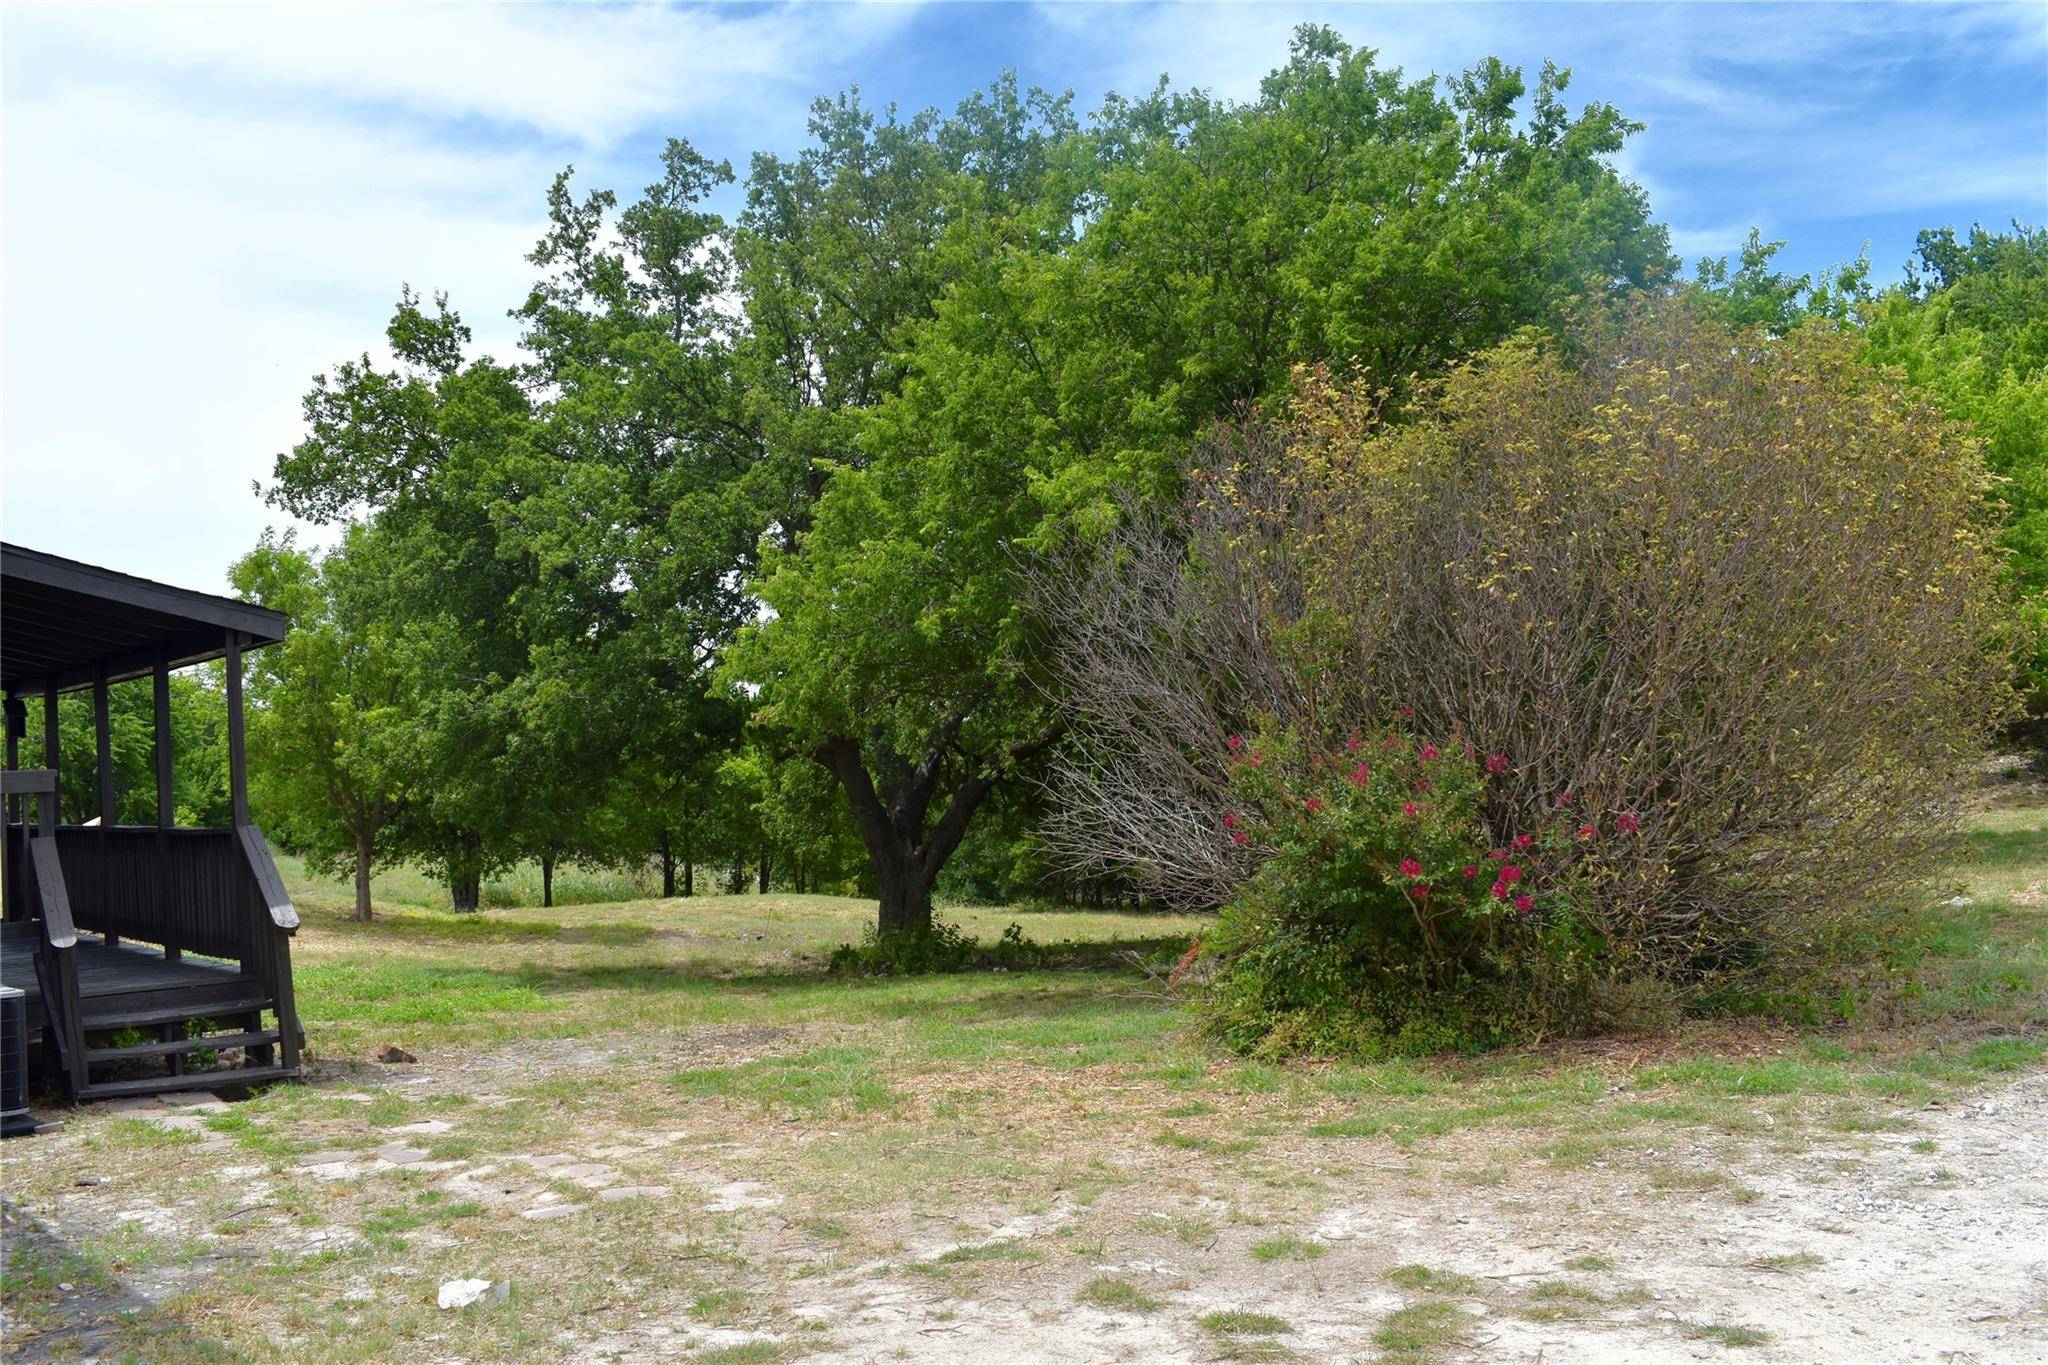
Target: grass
[[697, 1044], [1239, 1322], [1119, 1296], [1287, 1247], [1418, 1332]]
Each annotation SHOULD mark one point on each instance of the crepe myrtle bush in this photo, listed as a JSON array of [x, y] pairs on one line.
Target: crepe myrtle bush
[[1384, 914], [1724, 610]]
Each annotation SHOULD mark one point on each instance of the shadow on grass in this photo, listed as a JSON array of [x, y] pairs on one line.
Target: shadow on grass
[[2004, 849], [64, 1305], [375, 990]]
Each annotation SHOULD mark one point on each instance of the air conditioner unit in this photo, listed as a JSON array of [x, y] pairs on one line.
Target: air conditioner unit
[[14, 1116]]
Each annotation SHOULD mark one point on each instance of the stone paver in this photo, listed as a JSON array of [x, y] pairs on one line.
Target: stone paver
[[619, 1192], [547, 1213]]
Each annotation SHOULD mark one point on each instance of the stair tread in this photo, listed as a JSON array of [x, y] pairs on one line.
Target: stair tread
[[181, 1045], [198, 1080], [164, 1014]]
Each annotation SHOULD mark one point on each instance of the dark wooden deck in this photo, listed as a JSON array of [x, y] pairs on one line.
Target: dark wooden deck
[[127, 984]]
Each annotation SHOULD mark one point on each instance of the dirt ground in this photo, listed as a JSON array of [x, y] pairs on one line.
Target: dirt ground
[[1920, 1238]]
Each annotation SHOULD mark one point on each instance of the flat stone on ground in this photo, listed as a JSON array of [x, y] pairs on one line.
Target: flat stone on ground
[[619, 1192], [547, 1213], [398, 1154]]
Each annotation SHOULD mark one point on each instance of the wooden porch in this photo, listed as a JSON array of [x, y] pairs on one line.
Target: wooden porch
[[137, 947]]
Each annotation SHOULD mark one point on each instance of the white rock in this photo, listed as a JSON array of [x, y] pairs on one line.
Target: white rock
[[463, 1293]]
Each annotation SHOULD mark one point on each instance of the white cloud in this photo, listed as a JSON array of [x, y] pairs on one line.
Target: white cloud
[[204, 208], [587, 73]]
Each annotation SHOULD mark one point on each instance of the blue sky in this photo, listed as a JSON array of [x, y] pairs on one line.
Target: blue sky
[[205, 206]]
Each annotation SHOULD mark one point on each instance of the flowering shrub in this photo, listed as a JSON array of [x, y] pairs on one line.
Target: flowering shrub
[[1679, 640], [1380, 896]]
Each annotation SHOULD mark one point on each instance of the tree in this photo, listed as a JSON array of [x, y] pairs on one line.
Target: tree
[[199, 782], [1096, 299], [334, 724], [436, 453], [1970, 326], [1690, 629]]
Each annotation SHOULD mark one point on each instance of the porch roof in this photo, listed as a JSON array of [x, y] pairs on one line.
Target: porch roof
[[62, 619]]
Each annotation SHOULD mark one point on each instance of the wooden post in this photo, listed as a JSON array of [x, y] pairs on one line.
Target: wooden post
[[49, 814], [166, 808], [103, 747], [17, 725], [238, 767]]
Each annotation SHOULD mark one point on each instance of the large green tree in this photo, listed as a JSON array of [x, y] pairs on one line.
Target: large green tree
[[334, 718], [1970, 325], [1097, 298]]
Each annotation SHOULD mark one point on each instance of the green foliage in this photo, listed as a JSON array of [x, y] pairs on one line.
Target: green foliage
[[1383, 919], [334, 726], [1061, 356], [1971, 327], [199, 754], [1728, 736]]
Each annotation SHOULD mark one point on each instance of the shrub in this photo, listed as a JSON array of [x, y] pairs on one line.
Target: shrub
[[942, 948], [1722, 613]]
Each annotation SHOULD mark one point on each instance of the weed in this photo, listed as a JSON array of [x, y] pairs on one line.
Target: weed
[[1436, 1281], [1287, 1247], [1106, 1291]]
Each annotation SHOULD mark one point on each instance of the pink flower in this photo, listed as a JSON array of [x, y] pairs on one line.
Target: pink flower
[[1359, 775], [1230, 820], [1430, 753], [1524, 904], [1421, 891], [1499, 855], [1240, 838], [1410, 868], [1496, 764], [1313, 804], [1500, 891], [1405, 712], [1423, 786], [1524, 840], [1469, 871], [1587, 831], [1563, 799], [1391, 743], [1410, 809], [1351, 745], [1511, 874], [1627, 824], [1234, 743]]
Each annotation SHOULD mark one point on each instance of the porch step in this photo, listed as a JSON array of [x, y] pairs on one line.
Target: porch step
[[171, 1013], [200, 1080], [217, 1043]]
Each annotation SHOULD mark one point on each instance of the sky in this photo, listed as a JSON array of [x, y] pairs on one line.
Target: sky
[[203, 207]]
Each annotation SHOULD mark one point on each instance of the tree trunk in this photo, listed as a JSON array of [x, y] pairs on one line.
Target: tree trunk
[[668, 868], [465, 872], [547, 881], [363, 851], [904, 856], [763, 883]]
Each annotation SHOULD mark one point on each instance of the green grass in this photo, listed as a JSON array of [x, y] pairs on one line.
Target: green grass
[[1120, 1296], [893, 1111], [1435, 1281], [1287, 1247], [1418, 1332], [1238, 1322], [1728, 1334]]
